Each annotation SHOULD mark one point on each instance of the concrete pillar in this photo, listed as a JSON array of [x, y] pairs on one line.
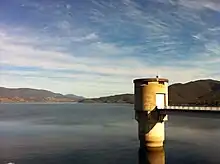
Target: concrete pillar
[[150, 94], [151, 156]]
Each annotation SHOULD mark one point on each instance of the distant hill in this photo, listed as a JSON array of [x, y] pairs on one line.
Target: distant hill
[[74, 96], [200, 92], [34, 95], [123, 98]]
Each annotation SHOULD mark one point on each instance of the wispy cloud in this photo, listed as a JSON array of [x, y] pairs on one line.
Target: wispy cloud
[[201, 4], [99, 47]]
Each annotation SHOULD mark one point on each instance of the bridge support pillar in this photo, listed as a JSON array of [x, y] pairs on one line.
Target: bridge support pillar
[[151, 94]]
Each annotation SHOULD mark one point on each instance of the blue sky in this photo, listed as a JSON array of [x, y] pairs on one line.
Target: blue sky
[[97, 47]]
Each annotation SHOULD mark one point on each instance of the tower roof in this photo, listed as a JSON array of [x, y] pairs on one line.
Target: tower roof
[[150, 80]]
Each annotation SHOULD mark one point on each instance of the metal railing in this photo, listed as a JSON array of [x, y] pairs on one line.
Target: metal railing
[[192, 108]]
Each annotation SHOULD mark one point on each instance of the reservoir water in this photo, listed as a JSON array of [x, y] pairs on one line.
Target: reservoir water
[[97, 134]]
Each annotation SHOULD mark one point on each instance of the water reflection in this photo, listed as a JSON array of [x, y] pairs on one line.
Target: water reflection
[[154, 156]]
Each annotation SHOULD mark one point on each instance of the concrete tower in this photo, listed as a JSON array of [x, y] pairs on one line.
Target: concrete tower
[[150, 94]]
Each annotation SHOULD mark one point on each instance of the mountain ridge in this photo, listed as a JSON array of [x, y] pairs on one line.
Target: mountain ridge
[[34, 95], [199, 92]]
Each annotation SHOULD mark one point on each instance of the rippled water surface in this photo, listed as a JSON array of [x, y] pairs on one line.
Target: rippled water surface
[[97, 134]]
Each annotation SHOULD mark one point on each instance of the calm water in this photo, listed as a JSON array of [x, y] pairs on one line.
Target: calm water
[[97, 134]]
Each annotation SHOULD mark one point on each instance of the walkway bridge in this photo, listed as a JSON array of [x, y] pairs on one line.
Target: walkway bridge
[[192, 108], [193, 111]]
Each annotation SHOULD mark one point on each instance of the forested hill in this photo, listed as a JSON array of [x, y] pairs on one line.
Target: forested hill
[[200, 92], [123, 98]]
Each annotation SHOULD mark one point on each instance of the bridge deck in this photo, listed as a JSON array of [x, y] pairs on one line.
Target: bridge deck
[[210, 112], [197, 108]]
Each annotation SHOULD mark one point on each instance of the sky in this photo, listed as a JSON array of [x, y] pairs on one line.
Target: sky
[[97, 48]]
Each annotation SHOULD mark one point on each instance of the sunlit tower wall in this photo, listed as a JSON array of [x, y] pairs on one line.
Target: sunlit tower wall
[[150, 94]]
